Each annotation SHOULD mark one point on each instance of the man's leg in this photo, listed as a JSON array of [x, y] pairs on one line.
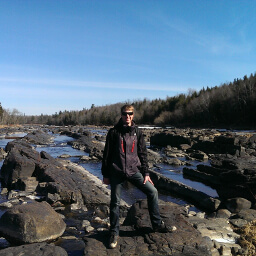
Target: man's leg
[[116, 187], [152, 195]]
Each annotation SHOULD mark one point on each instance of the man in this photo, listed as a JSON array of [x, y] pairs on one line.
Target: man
[[125, 158]]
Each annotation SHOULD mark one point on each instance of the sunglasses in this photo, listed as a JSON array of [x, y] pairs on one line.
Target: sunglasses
[[127, 113]]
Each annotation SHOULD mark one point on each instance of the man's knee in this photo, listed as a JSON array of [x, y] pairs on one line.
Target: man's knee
[[153, 192]]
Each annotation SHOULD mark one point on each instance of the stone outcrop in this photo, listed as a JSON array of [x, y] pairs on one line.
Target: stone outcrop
[[137, 238], [87, 142], [31, 223], [230, 176], [24, 169], [207, 141]]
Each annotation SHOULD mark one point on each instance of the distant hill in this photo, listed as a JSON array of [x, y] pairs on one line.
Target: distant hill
[[230, 105]]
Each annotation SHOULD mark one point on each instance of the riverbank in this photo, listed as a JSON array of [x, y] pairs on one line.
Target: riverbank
[[88, 200]]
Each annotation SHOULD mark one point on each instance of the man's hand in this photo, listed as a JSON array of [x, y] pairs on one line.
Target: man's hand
[[147, 178], [106, 181]]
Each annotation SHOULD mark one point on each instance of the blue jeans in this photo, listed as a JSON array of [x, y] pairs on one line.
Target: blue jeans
[[152, 196]]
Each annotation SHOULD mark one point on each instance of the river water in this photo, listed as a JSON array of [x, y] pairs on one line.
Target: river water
[[130, 193]]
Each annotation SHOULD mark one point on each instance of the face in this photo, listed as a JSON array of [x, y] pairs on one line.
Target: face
[[127, 116]]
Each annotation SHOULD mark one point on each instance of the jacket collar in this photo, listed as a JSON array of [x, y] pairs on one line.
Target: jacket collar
[[124, 128]]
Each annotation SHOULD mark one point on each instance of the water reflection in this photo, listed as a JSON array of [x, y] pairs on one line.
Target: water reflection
[[176, 173]]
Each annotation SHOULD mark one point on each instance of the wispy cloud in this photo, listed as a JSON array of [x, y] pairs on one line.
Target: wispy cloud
[[93, 84], [213, 41]]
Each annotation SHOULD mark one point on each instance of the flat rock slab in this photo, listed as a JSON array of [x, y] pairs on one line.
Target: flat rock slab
[[143, 241], [37, 249], [39, 138]]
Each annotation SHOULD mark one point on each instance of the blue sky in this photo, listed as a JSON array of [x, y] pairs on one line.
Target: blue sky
[[67, 55]]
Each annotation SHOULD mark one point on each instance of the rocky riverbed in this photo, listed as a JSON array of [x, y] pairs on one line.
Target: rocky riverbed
[[34, 184]]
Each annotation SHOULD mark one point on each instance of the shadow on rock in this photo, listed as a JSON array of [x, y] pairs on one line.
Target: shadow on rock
[[137, 238]]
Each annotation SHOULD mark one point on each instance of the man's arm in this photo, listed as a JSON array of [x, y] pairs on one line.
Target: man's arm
[[105, 170], [142, 153]]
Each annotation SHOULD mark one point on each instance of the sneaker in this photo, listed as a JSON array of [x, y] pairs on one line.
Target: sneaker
[[113, 240], [162, 228]]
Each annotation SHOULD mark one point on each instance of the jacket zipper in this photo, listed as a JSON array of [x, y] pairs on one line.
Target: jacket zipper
[[133, 145], [122, 144]]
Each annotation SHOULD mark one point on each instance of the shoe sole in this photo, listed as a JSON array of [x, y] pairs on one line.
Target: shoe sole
[[113, 245]]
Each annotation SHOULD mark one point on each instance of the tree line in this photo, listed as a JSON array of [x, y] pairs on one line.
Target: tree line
[[228, 105]]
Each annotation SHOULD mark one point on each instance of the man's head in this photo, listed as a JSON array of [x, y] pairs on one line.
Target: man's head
[[127, 113]]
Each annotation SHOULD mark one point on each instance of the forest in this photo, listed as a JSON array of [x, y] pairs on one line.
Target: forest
[[229, 105]]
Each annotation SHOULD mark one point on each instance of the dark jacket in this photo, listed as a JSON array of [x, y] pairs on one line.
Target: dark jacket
[[125, 151]]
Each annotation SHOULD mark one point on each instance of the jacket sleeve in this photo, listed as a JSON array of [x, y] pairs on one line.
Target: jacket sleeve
[[107, 155], [142, 153]]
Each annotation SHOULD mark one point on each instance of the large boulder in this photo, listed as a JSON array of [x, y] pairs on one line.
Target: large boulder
[[17, 165], [235, 205], [31, 223]]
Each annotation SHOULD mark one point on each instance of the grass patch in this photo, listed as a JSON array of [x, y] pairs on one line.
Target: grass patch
[[248, 238]]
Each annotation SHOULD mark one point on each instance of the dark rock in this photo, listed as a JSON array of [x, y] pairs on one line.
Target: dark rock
[[142, 241], [204, 177], [27, 184], [38, 137], [38, 249], [154, 157], [246, 214], [206, 146], [216, 147], [238, 222], [197, 154], [234, 177], [173, 161], [31, 223], [230, 191], [53, 198], [210, 169], [18, 144], [223, 213], [184, 146], [228, 140], [72, 245], [235, 205], [24, 164], [88, 144], [197, 197], [17, 165], [164, 139]]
